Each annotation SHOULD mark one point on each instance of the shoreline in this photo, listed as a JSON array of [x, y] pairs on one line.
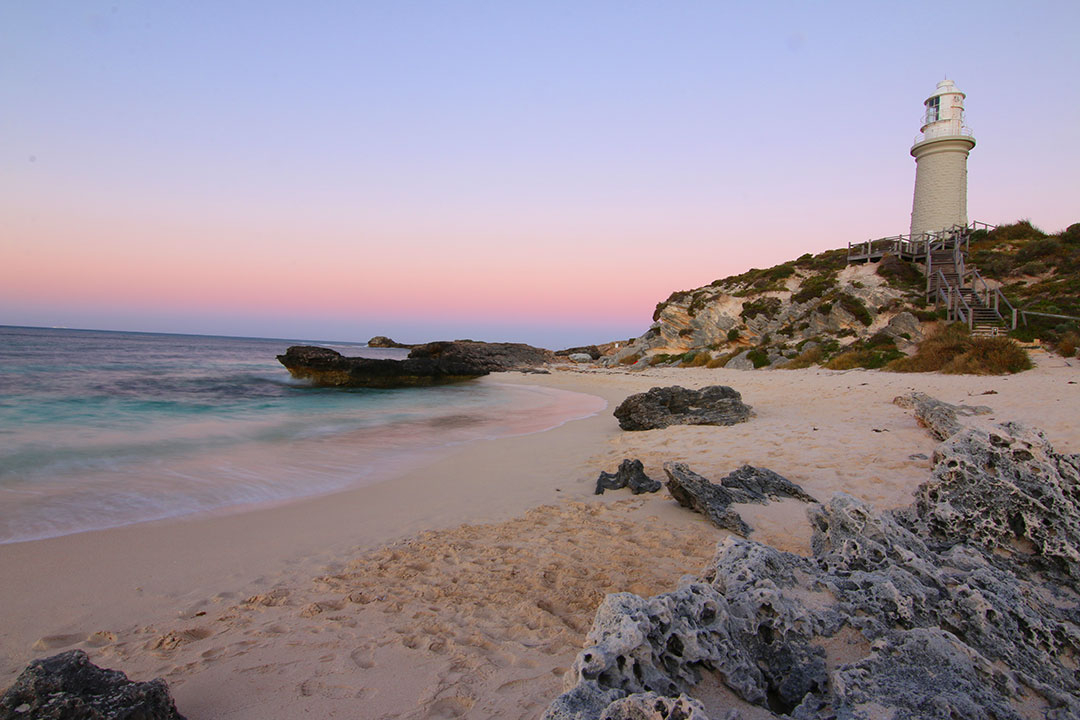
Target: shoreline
[[116, 593]]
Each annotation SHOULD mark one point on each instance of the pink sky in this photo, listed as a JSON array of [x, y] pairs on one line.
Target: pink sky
[[501, 173]]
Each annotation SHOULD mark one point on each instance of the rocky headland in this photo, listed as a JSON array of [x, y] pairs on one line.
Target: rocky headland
[[812, 310]]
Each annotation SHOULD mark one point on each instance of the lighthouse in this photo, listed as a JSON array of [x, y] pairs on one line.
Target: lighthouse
[[941, 153]]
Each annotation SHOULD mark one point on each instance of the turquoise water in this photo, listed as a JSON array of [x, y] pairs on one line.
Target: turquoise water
[[100, 429]]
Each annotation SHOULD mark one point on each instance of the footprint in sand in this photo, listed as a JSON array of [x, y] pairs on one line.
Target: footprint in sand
[[362, 658], [450, 707], [51, 642], [101, 638], [175, 638]]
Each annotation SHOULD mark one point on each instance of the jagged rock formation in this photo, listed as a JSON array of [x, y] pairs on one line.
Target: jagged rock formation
[[778, 310], [939, 418], [748, 484], [631, 473], [430, 364], [664, 406], [960, 606], [69, 687]]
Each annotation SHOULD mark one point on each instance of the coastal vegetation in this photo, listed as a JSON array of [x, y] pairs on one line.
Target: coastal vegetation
[[819, 310]]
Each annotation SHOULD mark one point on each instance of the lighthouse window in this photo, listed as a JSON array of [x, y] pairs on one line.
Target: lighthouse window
[[933, 108]]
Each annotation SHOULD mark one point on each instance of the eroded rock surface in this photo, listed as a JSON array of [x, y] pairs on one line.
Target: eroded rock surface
[[661, 407], [939, 418], [631, 473], [69, 687], [963, 605], [748, 484]]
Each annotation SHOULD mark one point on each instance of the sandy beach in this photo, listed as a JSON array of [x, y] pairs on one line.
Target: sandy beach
[[465, 586]]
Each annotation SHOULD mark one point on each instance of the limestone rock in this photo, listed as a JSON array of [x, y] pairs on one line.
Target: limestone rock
[[939, 418], [69, 687], [754, 484], [748, 484], [664, 406], [631, 473], [1009, 491], [580, 357], [651, 706], [713, 501], [904, 327], [962, 605], [741, 361]]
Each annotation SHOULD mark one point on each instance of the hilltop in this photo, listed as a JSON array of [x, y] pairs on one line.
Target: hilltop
[[818, 309]]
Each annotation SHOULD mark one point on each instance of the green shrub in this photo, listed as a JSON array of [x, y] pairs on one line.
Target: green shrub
[[630, 359], [814, 287], [698, 359], [759, 357], [899, 273], [733, 334], [1071, 234], [1036, 249], [768, 307], [1020, 230], [855, 306]]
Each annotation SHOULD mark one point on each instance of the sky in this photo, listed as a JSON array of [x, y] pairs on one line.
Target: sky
[[541, 172]]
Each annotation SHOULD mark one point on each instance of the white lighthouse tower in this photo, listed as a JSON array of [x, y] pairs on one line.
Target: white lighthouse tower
[[941, 154]]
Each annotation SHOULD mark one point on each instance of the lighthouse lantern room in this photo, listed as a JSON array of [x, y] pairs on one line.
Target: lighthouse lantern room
[[941, 153]]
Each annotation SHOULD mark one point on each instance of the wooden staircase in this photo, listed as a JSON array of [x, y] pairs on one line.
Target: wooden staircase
[[959, 286]]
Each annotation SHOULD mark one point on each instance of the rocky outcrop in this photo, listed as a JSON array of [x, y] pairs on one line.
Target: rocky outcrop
[[960, 606], [664, 406], [381, 341], [631, 473], [939, 418], [430, 364], [69, 687], [592, 351], [779, 310], [748, 484]]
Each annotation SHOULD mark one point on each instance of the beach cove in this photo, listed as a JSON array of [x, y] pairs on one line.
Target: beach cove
[[464, 587]]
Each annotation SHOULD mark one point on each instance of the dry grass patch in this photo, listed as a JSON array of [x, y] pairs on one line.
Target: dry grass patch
[[952, 350]]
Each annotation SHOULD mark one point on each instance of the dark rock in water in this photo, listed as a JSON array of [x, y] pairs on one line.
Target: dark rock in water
[[69, 687], [664, 406], [381, 341], [631, 473], [961, 606], [748, 484], [939, 418], [431, 364]]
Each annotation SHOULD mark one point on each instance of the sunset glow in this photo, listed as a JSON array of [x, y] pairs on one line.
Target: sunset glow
[[535, 172]]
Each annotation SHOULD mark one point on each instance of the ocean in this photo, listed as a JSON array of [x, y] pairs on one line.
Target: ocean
[[101, 429]]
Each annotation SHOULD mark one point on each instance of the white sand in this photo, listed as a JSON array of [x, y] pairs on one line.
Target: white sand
[[379, 602]]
